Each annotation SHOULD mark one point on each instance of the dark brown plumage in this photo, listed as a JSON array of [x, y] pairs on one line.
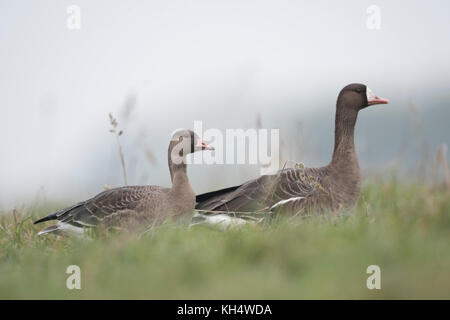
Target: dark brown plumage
[[137, 207], [301, 190]]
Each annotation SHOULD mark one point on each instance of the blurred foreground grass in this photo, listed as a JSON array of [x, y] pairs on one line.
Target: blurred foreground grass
[[403, 228]]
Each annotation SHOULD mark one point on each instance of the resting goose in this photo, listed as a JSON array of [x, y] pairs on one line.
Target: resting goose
[[137, 207], [298, 190]]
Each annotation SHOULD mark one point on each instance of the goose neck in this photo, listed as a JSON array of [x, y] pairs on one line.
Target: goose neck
[[344, 145]]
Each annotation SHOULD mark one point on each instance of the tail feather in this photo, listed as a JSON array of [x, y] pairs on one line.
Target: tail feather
[[51, 216], [201, 199], [59, 214]]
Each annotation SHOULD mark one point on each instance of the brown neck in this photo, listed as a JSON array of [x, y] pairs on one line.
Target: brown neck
[[178, 172], [344, 154]]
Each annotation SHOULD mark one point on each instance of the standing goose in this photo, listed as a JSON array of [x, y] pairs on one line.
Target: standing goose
[[137, 207], [333, 187]]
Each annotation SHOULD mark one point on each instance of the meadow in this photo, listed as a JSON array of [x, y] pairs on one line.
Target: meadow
[[404, 228]]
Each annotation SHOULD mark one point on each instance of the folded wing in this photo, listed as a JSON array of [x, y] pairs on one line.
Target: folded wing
[[92, 212], [294, 189]]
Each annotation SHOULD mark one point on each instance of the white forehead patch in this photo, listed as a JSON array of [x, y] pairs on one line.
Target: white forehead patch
[[179, 132], [370, 94]]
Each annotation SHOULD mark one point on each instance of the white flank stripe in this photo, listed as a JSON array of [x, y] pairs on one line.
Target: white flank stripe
[[70, 228], [280, 203], [73, 231]]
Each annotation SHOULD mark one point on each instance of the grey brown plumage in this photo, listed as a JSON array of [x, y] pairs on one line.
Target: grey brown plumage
[[301, 190], [293, 185], [136, 207]]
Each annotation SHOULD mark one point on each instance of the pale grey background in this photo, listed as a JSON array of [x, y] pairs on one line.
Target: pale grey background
[[223, 62]]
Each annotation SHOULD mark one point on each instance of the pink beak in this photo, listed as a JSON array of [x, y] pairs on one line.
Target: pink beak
[[374, 99], [204, 146], [377, 100]]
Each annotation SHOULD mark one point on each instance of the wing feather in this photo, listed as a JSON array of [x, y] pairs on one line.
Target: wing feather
[[91, 212], [266, 191]]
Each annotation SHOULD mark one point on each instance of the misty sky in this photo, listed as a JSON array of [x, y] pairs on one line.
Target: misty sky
[[223, 62]]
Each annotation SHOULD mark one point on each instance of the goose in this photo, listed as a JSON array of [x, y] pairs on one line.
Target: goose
[[136, 207], [302, 190]]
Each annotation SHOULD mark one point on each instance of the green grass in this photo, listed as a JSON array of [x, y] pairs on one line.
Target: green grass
[[404, 229]]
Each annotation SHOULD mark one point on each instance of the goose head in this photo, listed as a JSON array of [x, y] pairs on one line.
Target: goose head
[[184, 142], [357, 96]]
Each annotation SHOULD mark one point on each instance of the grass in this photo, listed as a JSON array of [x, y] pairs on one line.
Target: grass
[[403, 228]]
